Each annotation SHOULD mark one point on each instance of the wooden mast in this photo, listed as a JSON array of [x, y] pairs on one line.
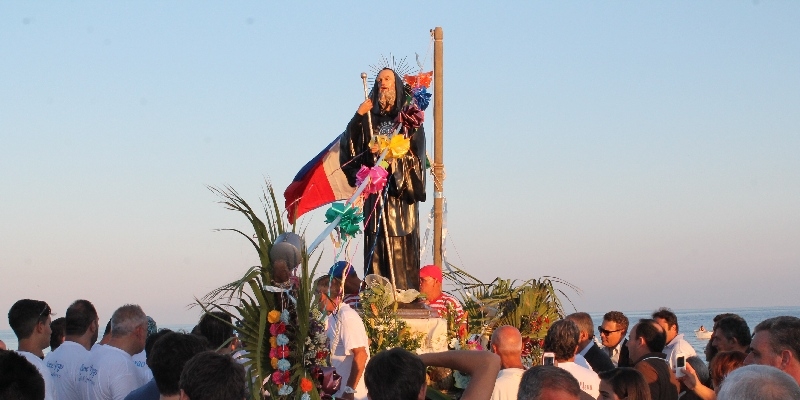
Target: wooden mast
[[438, 152]]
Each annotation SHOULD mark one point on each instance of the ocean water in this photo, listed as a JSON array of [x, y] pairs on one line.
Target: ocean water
[[688, 322]]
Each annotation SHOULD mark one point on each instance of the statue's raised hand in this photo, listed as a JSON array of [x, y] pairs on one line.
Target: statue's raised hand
[[364, 107]]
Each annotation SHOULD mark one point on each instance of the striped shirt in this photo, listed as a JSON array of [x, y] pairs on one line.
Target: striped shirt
[[441, 304]]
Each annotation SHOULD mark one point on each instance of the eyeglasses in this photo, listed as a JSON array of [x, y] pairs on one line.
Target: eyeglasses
[[606, 331]]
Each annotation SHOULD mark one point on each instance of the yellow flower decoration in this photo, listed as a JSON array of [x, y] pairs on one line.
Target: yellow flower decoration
[[274, 362], [273, 342], [382, 141], [274, 316], [398, 146]]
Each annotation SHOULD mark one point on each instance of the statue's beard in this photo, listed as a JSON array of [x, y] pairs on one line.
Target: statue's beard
[[386, 99]]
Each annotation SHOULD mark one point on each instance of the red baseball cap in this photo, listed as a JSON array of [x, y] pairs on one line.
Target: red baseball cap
[[431, 271]]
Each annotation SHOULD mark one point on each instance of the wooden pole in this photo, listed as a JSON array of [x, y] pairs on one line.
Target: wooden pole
[[438, 151]]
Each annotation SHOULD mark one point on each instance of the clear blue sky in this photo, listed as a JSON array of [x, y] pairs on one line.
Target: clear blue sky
[[647, 152]]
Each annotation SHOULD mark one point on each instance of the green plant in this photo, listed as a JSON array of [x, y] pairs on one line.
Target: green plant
[[254, 295], [530, 306]]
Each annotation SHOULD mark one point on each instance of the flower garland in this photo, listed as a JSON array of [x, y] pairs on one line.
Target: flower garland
[[279, 350]]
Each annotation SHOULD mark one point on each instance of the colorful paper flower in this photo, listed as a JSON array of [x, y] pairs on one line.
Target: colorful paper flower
[[277, 328], [351, 218], [281, 377], [281, 340], [411, 117], [306, 385], [422, 79], [305, 396], [284, 364], [398, 146], [422, 98], [273, 341], [274, 316], [274, 362], [377, 178], [285, 390], [285, 316], [279, 352]]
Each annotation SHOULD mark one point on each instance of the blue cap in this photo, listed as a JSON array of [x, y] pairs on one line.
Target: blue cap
[[338, 269]]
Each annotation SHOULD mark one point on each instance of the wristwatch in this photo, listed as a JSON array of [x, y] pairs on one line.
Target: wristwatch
[[348, 389]]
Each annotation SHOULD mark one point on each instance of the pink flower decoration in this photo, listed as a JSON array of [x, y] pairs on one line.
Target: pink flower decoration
[[280, 378], [377, 176], [279, 352], [277, 328]]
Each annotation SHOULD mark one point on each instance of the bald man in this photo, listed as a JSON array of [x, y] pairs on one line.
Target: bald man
[[507, 343]]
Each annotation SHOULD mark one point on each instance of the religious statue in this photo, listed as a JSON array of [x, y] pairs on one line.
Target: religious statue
[[391, 217]]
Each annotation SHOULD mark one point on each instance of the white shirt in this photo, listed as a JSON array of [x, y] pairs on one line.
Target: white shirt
[[678, 345], [581, 360], [351, 335], [613, 352], [588, 379], [140, 360], [109, 374], [507, 384], [64, 364], [49, 388]]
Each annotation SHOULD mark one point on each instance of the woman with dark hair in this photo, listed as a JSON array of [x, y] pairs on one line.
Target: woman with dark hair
[[623, 383], [723, 363]]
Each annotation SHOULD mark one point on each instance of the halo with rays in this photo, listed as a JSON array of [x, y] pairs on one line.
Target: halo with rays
[[397, 65]]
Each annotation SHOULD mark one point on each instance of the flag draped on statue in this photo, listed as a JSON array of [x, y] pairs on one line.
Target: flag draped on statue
[[319, 182]]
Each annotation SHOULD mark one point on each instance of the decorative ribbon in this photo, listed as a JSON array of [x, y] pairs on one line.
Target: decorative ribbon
[[351, 217], [422, 98], [423, 79], [376, 175], [411, 117]]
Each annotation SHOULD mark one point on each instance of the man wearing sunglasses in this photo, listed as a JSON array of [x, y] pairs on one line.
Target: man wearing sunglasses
[[612, 332]]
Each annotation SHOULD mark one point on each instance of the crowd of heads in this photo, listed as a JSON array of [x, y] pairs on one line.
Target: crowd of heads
[[762, 364], [194, 366]]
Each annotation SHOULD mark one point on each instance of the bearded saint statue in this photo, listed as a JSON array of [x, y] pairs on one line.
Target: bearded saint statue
[[391, 218]]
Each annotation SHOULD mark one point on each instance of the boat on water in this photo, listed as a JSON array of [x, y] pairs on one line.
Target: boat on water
[[703, 334]]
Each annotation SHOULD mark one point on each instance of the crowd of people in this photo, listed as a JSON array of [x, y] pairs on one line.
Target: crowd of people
[[648, 359]]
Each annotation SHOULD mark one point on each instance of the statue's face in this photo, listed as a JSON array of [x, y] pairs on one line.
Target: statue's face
[[385, 80]]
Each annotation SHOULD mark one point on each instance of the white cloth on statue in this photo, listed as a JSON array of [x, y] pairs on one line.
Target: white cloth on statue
[[64, 364], [507, 384], [588, 379], [109, 374], [49, 388], [140, 360], [346, 332], [678, 345]]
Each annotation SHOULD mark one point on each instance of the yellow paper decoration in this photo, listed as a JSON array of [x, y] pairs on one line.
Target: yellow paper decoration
[[398, 146], [274, 316]]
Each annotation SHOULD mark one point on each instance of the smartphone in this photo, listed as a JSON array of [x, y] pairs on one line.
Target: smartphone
[[680, 365], [549, 358]]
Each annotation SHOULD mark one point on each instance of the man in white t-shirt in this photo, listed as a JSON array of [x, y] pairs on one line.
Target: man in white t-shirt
[[348, 339], [65, 362], [507, 343], [562, 340], [676, 344], [30, 320], [109, 373]]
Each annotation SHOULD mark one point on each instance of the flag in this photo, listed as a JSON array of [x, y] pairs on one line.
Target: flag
[[319, 182]]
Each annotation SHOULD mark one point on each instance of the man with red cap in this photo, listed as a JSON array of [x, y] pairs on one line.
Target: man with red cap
[[430, 284]]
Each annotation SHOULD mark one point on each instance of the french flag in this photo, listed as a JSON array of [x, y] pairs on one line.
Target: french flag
[[319, 182]]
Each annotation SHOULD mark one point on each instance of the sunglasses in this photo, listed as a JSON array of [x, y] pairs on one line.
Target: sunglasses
[[606, 331]]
